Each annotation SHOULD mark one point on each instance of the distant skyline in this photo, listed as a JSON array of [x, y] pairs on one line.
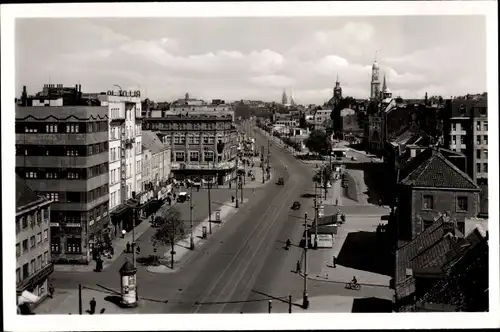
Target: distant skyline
[[255, 58]]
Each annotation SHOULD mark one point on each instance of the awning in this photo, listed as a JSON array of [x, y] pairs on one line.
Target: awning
[[119, 210], [27, 297]]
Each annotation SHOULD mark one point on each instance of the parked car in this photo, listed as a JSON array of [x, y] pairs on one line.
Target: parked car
[[280, 182], [295, 205]]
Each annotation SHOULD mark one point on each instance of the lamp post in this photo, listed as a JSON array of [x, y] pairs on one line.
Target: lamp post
[[305, 300], [209, 208], [191, 241]]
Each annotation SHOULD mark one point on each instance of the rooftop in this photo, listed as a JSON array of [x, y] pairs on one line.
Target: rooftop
[[25, 195], [431, 169], [61, 113], [151, 142]]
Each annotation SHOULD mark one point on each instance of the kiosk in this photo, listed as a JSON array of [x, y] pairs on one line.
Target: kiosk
[[128, 285]]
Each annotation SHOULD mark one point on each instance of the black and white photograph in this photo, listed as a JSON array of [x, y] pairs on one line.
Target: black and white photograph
[[326, 158]]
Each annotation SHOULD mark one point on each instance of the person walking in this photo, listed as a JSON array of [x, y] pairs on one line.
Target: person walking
[[51, 291], [297, 270], [92, 306]]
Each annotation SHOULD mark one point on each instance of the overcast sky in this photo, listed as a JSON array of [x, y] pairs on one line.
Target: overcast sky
[[254, 58]]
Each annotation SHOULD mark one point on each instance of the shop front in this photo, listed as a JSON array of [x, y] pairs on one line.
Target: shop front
[[34, 290]]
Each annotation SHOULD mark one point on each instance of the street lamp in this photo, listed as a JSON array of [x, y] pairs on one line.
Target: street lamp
[[305, 300]]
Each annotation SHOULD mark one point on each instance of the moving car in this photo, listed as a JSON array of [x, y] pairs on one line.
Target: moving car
[[280, 182], [196, 182], [295, 205], [182, 197]]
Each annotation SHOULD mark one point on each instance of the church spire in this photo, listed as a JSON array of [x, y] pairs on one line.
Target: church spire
[[384, 85]]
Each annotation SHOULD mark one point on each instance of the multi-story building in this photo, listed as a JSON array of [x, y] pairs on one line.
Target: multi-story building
[[466, 131], [204, 142], [62, 153], [159, 162], [33, 260]]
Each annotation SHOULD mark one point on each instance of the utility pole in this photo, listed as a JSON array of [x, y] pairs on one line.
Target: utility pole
[[209, 208], [268, 155], [80, 308], [315, 221], [237, 182], [305, 301], [262, 162], [191, 242], [241, 190], [134, 218], [172, 252]]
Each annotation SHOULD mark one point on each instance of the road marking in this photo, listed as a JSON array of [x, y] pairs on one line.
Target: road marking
[[257, 226]]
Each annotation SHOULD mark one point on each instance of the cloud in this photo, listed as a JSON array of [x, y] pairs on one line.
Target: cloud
[[99, 55]]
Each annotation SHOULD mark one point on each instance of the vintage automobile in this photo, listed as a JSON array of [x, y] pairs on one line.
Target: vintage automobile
[[182, 197], [295, 205], [280, 182]]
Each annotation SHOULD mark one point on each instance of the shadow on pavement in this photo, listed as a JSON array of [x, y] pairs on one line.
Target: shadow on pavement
[[372, 304], [365, 251], [377, 181], [115, 299]]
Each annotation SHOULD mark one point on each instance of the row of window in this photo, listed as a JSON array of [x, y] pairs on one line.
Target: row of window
[[73, 245], [180, 156], [75, 217], [189, 125], [479, 127], [62, 150], [28, 270], [62, 173], [33, 242], [76, 196], [483, 155], [483, 141], [37, 217], [462, 204], [61, 127]]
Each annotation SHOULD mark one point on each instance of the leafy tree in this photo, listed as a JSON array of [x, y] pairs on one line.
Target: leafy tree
[[318, 142], [170, 227], [323, 176]]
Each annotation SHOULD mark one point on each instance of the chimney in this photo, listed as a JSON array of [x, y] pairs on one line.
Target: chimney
[[24, 97]]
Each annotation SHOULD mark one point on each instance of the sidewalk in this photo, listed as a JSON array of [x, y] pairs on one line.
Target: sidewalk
[[227, 210], [119, 246], [320, 265]]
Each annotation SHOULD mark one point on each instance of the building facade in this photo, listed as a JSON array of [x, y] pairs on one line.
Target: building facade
[[203, 143], [33, 259], [159, 169], [62, 154]]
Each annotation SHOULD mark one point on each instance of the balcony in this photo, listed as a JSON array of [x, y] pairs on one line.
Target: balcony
[[129, 141], [203, 165], [34, 279], [117, 119]]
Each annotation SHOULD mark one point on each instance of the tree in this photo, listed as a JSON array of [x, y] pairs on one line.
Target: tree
[[170, 227], [323, 176], [318, 142]]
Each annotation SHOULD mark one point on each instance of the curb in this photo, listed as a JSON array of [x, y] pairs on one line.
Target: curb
[[317, 278]]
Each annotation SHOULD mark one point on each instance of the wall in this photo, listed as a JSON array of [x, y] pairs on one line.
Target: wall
[[444, 201]]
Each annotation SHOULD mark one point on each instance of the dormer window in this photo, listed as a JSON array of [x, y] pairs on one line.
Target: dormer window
[[461, 109]]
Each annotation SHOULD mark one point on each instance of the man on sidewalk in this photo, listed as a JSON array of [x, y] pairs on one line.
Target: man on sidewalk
[[92, 306]]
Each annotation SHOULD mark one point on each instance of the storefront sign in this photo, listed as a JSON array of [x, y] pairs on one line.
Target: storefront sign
[[71, 224], [123, 93], [321, 211], [324, 240], [91, 222], [54, 224]]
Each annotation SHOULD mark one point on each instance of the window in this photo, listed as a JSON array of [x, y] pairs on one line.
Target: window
[[428, 202], [485, 167], [485, 153], [179, 156], [53, 196], [19, 278], [478, 168], [453, 139], [72, 128], [478, 154], [485, 126], [46, 257], [31, 175], [478, 140], [209, 156], [205, 139], [485, 139], [176, 139], [427, 223], [454, 127], [478, 125], [190, 139], [24, 222], [33, 266], [39, 262], [73, 245], [18, 249], [55, 245], [73, 175], [18, 225], [196, 139], [26, 271], [194, 156], [39, 238], [462, 203], [32, 242], [45, 235], [462, 139], [183, 139], [51, 128], [211, 140]]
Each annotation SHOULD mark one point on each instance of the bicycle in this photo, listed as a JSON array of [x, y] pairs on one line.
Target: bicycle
[[353, 286]]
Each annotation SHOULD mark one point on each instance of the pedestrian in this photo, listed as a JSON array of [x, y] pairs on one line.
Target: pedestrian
[[229, 184], [138, 250], [111, 251], [128, 247], [334, 261], [92, 306], [297, 270], [336, 201], [51, 291]]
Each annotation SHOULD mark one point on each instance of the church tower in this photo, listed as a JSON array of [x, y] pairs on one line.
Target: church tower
[[292, 98], [337, 91], [386, 92], [375, 84], [284, 98]]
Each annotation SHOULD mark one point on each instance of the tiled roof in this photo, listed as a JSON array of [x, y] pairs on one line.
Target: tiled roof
[[430, 249], [431, 169], [24, 194], [465, 283], [151, 141], [462, 107]]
